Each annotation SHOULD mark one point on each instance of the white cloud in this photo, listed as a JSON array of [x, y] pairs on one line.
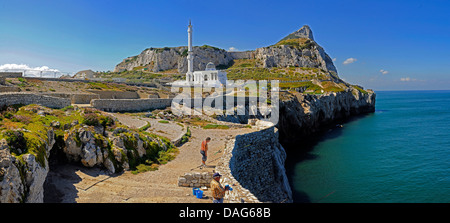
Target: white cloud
[[349, 61], [232, 49], [384, 71], [407, 79], [30, 71], [334, 59]]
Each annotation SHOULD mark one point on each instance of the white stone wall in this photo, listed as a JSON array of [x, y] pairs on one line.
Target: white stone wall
[[195, 179]]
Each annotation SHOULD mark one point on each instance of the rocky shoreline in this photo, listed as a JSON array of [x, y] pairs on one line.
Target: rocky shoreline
[[303, 115]]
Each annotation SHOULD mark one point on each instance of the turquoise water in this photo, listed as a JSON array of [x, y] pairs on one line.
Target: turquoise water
[[400, 153]]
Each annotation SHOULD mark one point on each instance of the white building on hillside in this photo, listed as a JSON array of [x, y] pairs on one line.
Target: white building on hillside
[[209, 77]]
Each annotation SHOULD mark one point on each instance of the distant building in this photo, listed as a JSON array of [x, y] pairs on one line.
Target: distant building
[[84, 74]]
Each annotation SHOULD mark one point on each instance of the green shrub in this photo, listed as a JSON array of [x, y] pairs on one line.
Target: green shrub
[[21, 118], [186, 136], [91, 119], [144, 168], [67, 108], [165, 156], [106, 121], [16, 141], [185, 53]]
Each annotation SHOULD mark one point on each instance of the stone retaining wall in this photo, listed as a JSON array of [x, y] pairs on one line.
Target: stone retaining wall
[[9, 88], [126, 105], [11, 74], [116, 94], [253, 164], [75, 98], [195, 179], [151, 85], [29, 98], [80, 98], [239, 194]]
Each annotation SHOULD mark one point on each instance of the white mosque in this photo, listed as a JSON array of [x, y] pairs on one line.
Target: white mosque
[[209, 77]]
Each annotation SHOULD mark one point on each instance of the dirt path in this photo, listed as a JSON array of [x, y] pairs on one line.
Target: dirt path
[[170, 130], [80, 184]]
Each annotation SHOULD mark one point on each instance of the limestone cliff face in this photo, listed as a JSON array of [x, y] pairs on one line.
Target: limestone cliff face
[[304, 32], [286, 56], [160, 59], [303, 115], [22, 178], [297, 49]]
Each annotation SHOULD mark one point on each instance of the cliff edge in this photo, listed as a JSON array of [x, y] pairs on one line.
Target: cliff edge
[[303, 115]]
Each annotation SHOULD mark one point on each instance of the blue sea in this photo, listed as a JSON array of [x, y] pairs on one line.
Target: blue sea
[[400, 153]]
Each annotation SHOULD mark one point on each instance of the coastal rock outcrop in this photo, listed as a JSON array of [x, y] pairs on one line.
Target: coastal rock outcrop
[[93, 148], [22, 178], [302, 115], [11, 185], [28, 153]]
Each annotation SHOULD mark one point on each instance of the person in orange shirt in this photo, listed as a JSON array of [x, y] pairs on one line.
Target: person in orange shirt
[[204, 151]]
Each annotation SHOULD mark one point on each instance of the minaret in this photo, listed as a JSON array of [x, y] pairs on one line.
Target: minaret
[[190, 57]]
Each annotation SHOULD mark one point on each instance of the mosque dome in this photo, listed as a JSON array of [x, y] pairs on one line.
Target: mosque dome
[[210, 66]]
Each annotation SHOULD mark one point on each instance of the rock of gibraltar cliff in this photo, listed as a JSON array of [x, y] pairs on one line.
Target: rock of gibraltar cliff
[[298, 49]]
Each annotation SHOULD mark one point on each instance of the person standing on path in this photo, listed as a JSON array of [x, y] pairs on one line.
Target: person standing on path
[[204, 151]]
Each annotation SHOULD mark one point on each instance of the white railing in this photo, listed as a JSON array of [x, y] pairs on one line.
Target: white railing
[[39, 73]]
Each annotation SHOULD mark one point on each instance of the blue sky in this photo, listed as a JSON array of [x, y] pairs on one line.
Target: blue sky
[[395, 45]]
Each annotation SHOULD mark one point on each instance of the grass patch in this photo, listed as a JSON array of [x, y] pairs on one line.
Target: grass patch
[[186, 136], [141, 168], [360, 89], [215, 126], [163, 121], [67, 108], [300, 43], [145, 127]]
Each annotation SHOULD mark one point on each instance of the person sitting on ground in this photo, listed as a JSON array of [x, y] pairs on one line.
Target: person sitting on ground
[[218, 192], [204, 151]]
